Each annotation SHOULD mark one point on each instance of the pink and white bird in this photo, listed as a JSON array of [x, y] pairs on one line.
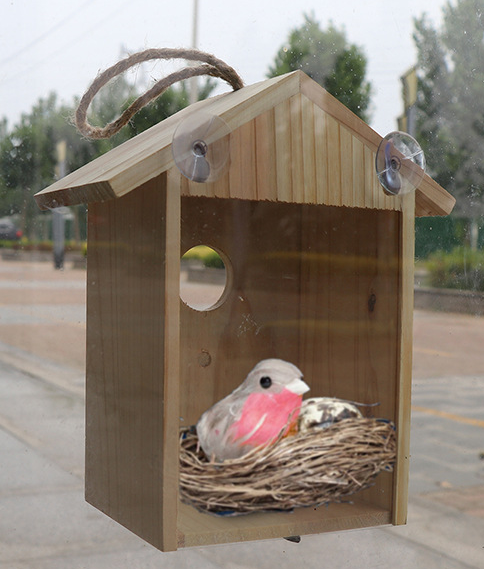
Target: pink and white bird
[[255, 413]]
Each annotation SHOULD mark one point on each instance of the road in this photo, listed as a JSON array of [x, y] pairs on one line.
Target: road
[[45, 523]]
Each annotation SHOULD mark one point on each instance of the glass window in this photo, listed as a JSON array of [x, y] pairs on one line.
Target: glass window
[[318, 284]]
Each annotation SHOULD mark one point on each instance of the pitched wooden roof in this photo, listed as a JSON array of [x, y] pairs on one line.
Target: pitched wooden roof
[[149, 154]]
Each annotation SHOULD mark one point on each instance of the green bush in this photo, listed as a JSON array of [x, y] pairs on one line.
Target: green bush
[[207, 255], [462, 269], [213, 260], [6, 244], [25, 244]]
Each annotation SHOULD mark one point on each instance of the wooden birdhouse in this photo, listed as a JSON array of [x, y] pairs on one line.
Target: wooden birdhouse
[[319, 263]]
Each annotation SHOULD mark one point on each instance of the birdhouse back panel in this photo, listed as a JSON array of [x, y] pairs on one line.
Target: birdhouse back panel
[[315, 285], [296, 152]]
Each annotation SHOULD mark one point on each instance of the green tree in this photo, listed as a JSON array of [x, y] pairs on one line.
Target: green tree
[[450, 107], [328, 58], [170, 102], [28, 152], [27, 161], [118, 94]]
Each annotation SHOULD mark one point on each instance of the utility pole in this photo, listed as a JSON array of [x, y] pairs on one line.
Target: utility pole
[[58, 220], [194, 80], [409, 81]]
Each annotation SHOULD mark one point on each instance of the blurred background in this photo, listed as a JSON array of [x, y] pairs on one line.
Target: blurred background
[[412, 66]]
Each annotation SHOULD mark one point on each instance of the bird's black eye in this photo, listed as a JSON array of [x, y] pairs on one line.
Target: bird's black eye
[[265, 382]]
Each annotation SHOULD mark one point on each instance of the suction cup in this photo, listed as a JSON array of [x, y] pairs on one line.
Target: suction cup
[[200, 147], [400, 163]]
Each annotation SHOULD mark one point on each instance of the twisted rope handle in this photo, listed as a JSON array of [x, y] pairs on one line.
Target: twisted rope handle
[[211, 66]]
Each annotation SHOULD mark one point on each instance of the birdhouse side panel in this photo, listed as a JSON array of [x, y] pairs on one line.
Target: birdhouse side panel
[[403, 400], [125, 393]]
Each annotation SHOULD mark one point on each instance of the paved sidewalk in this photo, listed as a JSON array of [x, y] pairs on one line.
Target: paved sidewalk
[[45, 523]]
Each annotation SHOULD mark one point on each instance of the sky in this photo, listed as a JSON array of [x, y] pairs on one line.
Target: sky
[[61, 46]]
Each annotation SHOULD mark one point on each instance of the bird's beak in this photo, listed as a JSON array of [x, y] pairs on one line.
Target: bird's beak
[[298, 386]]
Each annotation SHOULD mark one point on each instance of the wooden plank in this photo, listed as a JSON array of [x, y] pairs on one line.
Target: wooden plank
[[220, 188], [243, 172], [403, 396], [244, 105], [237, 333], [190, 188], [198, 529], [380, 347], [296, 156], [283, 152], [308, 151], [339, 112], [125, 386], [371, 196], [171, 372], [432, 199], [265, 152], [275, 158], [346, 165], [314, 300], [359, 188], [334, 162], [117, 172], [348, 311], [321, 155]]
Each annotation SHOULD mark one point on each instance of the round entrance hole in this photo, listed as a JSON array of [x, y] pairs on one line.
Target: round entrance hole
[[203, 278]]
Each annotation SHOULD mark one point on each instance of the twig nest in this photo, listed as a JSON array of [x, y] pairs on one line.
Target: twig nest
[[306, 469]]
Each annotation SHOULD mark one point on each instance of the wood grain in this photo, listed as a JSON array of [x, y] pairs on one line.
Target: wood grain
[[137, 161], [319, 270], [197, 529], [303, 281], [129, 282], [431, 199], [307, 159], [404, 393], [265, 153], [171, 370], [282, 154]]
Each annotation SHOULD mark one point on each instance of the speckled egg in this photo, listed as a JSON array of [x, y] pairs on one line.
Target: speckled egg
[[322, 412]]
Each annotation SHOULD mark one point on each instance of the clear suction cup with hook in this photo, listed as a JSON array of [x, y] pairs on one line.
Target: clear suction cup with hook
[[200, 147], [400, 163]]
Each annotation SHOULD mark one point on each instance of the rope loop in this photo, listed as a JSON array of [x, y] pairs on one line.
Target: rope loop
[[210, 65]]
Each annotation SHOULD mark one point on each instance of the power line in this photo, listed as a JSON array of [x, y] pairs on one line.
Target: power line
[[72, 42], [45, 34]]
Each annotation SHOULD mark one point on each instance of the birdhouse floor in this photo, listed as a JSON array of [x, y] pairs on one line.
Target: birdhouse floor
[[196, 529]]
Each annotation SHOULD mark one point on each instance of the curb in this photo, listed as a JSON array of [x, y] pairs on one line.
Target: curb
[[448, 300]]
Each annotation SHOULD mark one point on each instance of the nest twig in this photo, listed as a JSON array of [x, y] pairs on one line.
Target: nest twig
[[307, 469]]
